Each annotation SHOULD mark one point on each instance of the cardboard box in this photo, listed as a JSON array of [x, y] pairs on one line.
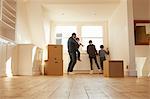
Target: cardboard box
[[55, 52], [113, 68], [54, 67]]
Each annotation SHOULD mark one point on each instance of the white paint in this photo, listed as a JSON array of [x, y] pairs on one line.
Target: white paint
[[35, 19], [32, 24], [22, 26], [80, 12], [46, 23], [25, 59], [132, 66]]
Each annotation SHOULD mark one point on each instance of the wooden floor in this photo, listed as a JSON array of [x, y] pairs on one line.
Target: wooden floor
[[78, 86]]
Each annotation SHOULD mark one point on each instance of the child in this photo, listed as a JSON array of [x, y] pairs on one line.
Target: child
[[102, 54], [91, 50], [78, 52]]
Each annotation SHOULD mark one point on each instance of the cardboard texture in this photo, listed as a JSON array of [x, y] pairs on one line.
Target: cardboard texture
[[113, 68]]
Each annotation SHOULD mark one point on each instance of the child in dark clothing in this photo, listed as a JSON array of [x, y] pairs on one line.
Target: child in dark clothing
[[102, 55], [91, 50], [78, 52]]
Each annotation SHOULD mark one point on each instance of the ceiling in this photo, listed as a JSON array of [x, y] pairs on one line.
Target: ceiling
[[80, 10]]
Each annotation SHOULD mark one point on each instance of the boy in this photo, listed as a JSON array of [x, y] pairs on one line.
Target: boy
[[102, 54], [91, 50], [78, 52]]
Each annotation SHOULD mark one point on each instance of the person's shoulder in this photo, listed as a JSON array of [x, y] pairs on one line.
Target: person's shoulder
[[88, 45], [92, 45], [70, 38], [100, 50]]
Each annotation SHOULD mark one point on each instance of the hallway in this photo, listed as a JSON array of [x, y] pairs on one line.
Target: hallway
[[78, 86]]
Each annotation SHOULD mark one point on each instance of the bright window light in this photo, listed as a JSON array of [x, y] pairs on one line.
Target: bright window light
[[66, 31], [8, 67], [63, 33], [94, 33]]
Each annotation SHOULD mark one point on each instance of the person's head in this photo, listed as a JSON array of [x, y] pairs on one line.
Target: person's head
[[73, 35], [77, 39], [101, 46], [90, 41]]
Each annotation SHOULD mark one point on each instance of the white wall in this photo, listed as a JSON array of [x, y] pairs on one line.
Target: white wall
[[132, 64], [25, 59], [31, 22], [22, 26], [119, 40], [36, 24]]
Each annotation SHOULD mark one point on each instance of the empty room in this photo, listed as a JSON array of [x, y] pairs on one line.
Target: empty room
[[74, 49]]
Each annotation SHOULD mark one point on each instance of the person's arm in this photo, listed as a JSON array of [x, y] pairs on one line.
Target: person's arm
[[95, 50], [107, 51], [88, 49], [99, 52], [81, 44], [76, 44]]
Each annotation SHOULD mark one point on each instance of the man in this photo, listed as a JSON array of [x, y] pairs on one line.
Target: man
[[91, 50], [72, 48]]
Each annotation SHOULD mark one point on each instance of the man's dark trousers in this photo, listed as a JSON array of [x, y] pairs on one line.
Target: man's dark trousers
[[73, 61]]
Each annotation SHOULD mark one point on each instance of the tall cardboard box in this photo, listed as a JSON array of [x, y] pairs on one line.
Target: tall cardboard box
[[54, 64]]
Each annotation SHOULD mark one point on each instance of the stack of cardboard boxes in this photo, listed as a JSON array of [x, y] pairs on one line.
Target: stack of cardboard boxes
[[54, 64]]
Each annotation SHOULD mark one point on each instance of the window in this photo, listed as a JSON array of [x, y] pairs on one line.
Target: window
[[63, 33], [94, 33]]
